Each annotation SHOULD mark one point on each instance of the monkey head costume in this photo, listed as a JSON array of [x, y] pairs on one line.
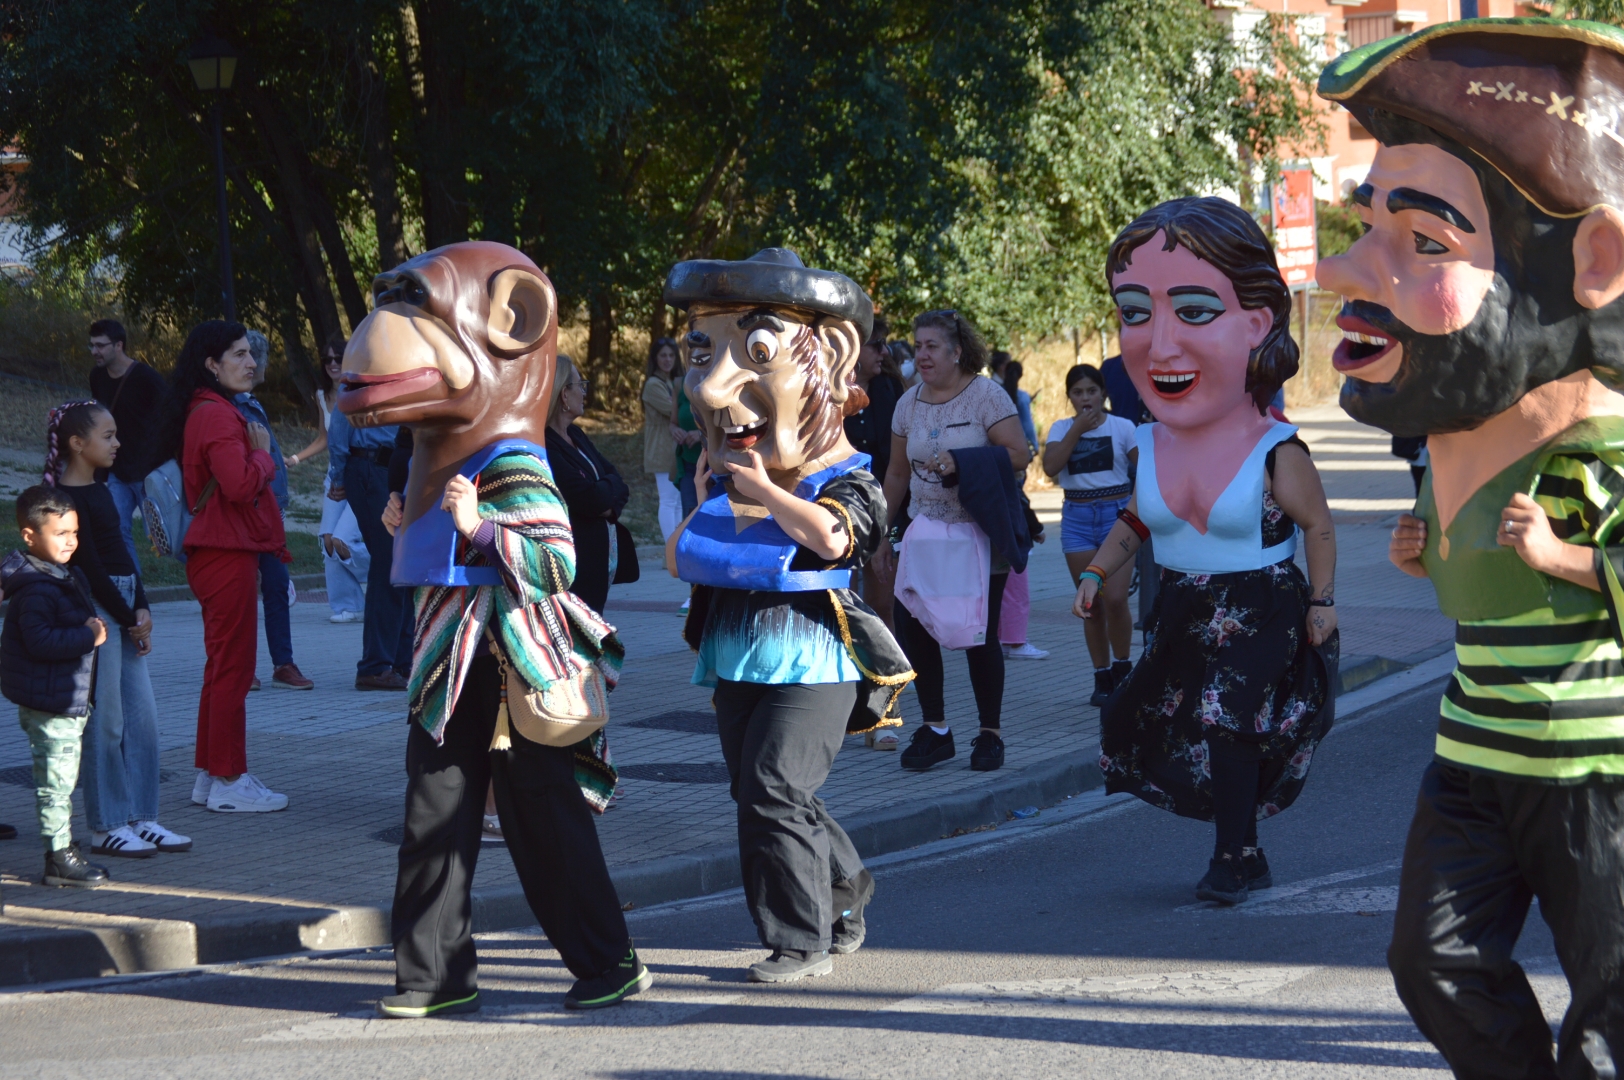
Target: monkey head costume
[[1482, 303], [789, 510], [460, 347]]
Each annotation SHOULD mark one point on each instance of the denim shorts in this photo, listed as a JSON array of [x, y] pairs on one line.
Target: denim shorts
[[1085, 525]]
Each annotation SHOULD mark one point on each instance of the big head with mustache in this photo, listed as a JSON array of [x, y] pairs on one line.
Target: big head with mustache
[[1488, 267]]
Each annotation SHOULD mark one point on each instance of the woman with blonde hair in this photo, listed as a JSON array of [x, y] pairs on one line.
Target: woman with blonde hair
[[592, 487]]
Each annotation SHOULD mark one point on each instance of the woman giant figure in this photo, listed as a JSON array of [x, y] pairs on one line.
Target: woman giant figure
[[1220, 718]]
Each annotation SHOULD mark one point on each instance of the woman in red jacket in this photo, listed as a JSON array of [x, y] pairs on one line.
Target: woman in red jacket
[[228, 468]]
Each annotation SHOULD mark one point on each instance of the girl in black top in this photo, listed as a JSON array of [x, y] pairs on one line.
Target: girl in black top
[[120, 759]]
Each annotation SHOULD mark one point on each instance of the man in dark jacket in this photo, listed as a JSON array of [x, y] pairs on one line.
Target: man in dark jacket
[[48, 667]]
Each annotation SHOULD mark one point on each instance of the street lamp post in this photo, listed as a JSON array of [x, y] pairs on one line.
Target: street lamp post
[[214, 65]]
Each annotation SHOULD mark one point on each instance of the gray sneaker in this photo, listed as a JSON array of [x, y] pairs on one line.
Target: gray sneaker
[[787, 965]]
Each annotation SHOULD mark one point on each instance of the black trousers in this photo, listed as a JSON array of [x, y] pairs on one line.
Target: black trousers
[[986, 662], [779, 743], [1480, 849], [1235, 766], [549, 832]]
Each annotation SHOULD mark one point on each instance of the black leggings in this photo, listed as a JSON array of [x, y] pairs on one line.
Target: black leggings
[[986, 662], [1234, 792]]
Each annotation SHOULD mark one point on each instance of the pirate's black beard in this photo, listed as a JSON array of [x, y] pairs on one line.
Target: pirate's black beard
[[1457, 381]]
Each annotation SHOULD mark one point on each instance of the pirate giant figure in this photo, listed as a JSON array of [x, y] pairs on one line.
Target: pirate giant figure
[[787, 510], [1481, 304]]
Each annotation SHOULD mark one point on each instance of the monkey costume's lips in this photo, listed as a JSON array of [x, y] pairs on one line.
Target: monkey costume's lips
[[358, 392]]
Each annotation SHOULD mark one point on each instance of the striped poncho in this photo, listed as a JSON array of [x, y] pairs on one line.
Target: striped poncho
[[545, 631]]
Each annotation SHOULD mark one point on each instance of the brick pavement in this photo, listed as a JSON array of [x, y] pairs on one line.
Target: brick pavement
[[338, 753]]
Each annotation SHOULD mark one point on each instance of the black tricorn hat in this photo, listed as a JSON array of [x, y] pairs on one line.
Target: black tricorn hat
[[775, 277], [1541, 100]]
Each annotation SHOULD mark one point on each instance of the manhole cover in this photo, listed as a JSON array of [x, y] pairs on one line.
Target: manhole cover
[[681, 772], [695, 723], [23, 776]]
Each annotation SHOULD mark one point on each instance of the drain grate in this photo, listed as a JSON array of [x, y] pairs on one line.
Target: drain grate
[[689, 720], [23, 776], [680, 772]]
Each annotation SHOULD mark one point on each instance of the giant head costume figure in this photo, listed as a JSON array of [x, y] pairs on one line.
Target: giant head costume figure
[[1493, 258], [772, 347], [460, 347]]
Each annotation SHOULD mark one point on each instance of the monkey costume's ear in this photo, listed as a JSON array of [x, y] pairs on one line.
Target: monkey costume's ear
[[522, 308], [843, 341]]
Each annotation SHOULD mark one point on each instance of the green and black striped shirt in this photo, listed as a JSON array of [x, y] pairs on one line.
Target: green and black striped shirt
[[1540, 695]]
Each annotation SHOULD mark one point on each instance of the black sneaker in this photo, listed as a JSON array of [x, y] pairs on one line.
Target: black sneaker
[[69, 867], [612, 987], [1104, 683], [787, 965], [1225, 882], [986, 752], [1120, 670], [1256, 869], [421, 1004], [927, 748], [851, 897]]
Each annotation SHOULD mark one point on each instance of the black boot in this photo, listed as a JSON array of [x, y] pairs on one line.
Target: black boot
[[1225, 882], [1120, 670], [1256, 868], [927, 748], [68, 867], [1104, 683], [850, 898]]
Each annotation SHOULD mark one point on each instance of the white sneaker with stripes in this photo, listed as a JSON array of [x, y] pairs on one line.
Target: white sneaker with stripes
[[121, 843], [161, 838]]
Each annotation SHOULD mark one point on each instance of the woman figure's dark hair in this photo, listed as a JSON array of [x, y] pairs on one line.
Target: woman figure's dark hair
[[75, 419], [1078, 372], [1221, 233], [336, 344], [972, 347], [1012, 378], [207, 341], [654, 348]]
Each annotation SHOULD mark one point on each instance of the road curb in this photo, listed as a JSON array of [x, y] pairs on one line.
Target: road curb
[[105, 945]]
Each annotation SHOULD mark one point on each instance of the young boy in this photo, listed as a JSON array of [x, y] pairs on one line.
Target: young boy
[[48, 668]]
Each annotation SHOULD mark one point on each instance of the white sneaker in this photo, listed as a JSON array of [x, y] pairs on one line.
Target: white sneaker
[[161, 838], [685, 604], [201, 786], [245, 795], [345, 616], [121, 843], [1025, 651]]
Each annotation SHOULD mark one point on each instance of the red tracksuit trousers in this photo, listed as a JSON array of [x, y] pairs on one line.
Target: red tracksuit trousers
[[224, 582]]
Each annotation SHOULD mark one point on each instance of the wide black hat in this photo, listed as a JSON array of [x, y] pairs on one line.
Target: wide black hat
[[1541, 100], [774, 277]]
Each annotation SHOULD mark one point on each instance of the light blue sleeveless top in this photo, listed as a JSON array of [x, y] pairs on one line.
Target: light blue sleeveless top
[[1234, 537]]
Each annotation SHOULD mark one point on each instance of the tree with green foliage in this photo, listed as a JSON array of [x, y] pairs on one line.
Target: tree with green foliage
[[976, 153]]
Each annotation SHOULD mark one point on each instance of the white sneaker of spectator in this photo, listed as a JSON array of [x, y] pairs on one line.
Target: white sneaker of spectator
[[1025, 651], [121, 843], [201, 787], [162, 838], [345, 616], [244, 795]]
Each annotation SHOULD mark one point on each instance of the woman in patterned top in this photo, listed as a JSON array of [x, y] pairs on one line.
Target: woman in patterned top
[[1220, 717]]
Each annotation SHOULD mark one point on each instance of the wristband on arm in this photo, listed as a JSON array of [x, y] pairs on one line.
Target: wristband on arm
[[1130, 519]]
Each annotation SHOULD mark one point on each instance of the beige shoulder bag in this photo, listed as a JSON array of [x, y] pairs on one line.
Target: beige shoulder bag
[[562, 715]]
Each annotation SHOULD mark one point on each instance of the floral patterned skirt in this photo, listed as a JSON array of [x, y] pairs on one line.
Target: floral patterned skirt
[[1229, 658]]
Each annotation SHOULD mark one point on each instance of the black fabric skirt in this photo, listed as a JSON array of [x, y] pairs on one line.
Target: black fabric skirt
[[1228, 658]]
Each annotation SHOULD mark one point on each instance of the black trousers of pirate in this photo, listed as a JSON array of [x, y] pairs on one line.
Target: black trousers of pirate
[[549, 831], [799, 866], [1480, 849]]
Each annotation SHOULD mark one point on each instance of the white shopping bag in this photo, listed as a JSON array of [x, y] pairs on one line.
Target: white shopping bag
[[942, 578]]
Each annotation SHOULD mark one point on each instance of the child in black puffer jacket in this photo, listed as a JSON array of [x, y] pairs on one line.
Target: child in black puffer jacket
[[48, 667]]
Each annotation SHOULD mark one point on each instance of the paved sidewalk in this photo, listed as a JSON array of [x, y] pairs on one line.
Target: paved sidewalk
[[320, 874]]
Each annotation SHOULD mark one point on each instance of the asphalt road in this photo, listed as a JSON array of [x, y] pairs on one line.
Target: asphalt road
[[1067, 945]]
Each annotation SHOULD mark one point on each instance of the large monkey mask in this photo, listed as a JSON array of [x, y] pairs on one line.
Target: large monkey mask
[[772, 350], [460, 347]]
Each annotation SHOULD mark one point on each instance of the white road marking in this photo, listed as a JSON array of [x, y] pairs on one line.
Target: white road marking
[[1367, 899], [1371, 505], [1179, 986], [1281, 893]]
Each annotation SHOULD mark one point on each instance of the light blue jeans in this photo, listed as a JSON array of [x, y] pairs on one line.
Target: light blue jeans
[[127, 497], [119, 771]]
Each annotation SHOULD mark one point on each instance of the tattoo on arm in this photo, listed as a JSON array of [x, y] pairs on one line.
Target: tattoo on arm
[[1329, 591]]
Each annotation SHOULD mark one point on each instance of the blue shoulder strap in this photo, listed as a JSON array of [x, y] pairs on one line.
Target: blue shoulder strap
[[425, 551]]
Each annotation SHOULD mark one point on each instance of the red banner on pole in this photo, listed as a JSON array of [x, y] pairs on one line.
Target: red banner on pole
[[1295, 244]]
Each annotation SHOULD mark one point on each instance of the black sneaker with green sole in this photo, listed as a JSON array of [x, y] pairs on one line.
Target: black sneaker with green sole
[[421, 1004], [612, 987]]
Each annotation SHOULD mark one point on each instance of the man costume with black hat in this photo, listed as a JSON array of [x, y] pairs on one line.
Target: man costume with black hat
[[1481, 303], [797, 660]]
